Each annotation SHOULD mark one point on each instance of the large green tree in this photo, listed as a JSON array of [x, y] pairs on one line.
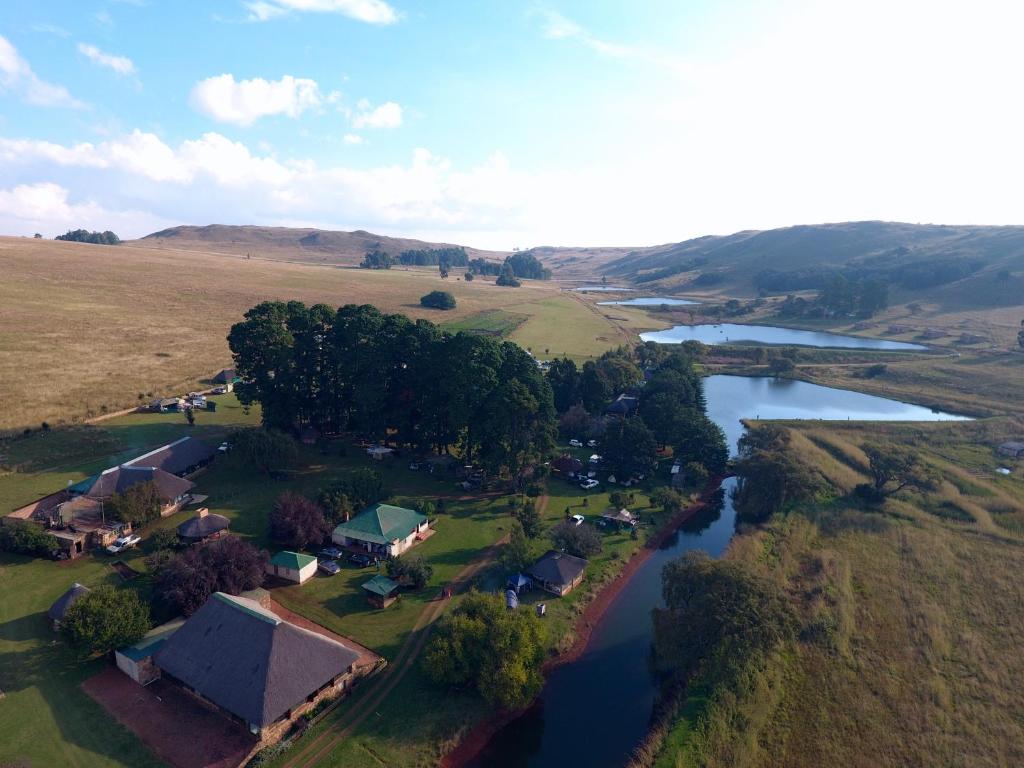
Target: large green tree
[[895, 467], [770, 476], [629, 449], [497, 652], [104, 619]]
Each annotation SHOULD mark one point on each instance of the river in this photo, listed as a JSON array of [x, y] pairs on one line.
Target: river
[[725, 333], [593, 711]]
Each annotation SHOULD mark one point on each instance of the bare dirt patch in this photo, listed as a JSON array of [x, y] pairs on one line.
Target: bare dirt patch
[[176, 727]]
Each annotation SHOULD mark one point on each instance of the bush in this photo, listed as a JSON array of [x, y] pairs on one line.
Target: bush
[[696, 474], [529, 518], [27, 539], [297, 522], [438, 300], [137, 505], [781, 365], [104, 619], [578, 540], [228, 565], [162, 539], [410, 570], [267, 450]]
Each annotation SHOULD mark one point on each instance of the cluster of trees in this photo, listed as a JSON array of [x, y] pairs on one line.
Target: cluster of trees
[[104, 619], [410, 571], [507, 277], [85, 236], [377, 259], [265, 450], [579, 540], [356, 492], [497, 652], [526, 265], [770, 476], [719, 621], [455, 256], [438, 300], [137, 504], [388, 377], [839, 296], [26, 539], [185, 581], [1020, 335], [889, 269], [298, 522], [671, 407]]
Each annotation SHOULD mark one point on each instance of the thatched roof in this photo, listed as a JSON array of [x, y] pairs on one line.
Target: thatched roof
[[60, 608], [202, 526], [557, 568]]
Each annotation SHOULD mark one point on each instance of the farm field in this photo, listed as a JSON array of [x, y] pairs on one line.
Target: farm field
[[47, 719], [86, 329]]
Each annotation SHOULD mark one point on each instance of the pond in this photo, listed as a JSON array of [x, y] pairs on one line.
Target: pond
[[593, 711], [649, 301], [725, 333]]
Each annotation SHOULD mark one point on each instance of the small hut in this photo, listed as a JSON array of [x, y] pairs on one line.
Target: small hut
[[203, 526], [381, 591], [60, 608], [620, 518]]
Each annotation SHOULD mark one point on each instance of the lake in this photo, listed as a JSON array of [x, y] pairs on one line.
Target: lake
[[649, 301], [593, 711], [725, 333]]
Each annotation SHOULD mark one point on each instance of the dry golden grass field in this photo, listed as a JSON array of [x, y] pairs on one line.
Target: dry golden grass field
[[85, 329]]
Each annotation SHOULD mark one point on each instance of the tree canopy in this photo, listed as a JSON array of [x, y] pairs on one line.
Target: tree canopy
[[770, 477], [893, 468], [507, 277], [137, 504], [228, 565], [579, 540], [267, 450], [386, 376], [104, 619], [438, 300], [27, 539], [497, 652], [410, 570], [298, 522], [86, 236]]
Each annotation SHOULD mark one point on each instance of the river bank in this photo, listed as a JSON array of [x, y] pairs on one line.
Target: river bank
[[470, 746]]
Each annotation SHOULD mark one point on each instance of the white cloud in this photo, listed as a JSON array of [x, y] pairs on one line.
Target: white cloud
[[122, 65], [369, 11], [242, 102], [352, 138], [16, 76], [387, 115], [45, 207], [555, 26]]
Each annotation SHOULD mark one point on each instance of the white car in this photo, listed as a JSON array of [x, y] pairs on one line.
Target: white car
[[220, 390], [575, 443], [577, 519], [123, 543], [591, 443], [589, 485]]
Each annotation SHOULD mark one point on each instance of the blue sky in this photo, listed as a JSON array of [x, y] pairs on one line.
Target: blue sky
[[507, 123]]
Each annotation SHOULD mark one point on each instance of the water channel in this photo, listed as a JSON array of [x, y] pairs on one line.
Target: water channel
[[593, 711]]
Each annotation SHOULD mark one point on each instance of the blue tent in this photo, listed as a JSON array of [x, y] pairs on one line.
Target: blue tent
[[518, 582]]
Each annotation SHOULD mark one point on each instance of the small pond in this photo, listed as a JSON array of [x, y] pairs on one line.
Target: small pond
[[724, 333], [650, 301]]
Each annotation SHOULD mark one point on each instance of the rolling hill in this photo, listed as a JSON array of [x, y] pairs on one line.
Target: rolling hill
[[313, 246], [967, 266]]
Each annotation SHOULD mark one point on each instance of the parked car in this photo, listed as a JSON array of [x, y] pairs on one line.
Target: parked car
[[360, 560], [220, 390], [123, 543], [328, 567], [577, 519], [589, 485], [330, 553], [414, 466], [575, 443], [591, 443], [224, 447]]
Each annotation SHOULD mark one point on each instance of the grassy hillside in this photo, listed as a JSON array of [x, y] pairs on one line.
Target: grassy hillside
[[312, 246], [956, 266], [910, 622], [85, 329]]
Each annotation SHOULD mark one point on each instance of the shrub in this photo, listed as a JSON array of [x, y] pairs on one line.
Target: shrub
[[27, 539], [267, 450], [298, 522], [578, 540], [137, 505], [227, 565], [438, 300], [410, 570]]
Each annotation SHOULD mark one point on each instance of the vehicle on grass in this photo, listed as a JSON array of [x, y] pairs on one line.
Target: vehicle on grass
[[591, 443], [575, 443], [220, 390], [330, 553], [328, 567], [577, 519], [589, 484], [224, 448], [360, 559], [123, 543]]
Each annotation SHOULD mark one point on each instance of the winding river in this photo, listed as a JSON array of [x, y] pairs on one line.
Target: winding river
[[593, 711]]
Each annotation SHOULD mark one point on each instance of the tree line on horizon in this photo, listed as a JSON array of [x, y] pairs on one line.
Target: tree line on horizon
[[86, 236]]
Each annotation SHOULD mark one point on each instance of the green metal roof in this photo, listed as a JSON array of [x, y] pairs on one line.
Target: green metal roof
[[152, 641], [381, 524], [381, 585], [294, 560]]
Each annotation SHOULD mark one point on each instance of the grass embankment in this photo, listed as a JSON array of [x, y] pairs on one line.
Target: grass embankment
[[910, 620], [85, 329]]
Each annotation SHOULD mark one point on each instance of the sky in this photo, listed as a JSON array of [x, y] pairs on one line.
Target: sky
[[509, 124]]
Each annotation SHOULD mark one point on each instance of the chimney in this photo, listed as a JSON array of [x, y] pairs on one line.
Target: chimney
[[203, 512]]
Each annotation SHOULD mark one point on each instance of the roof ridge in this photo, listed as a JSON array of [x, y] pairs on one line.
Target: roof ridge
[[233, 601]]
